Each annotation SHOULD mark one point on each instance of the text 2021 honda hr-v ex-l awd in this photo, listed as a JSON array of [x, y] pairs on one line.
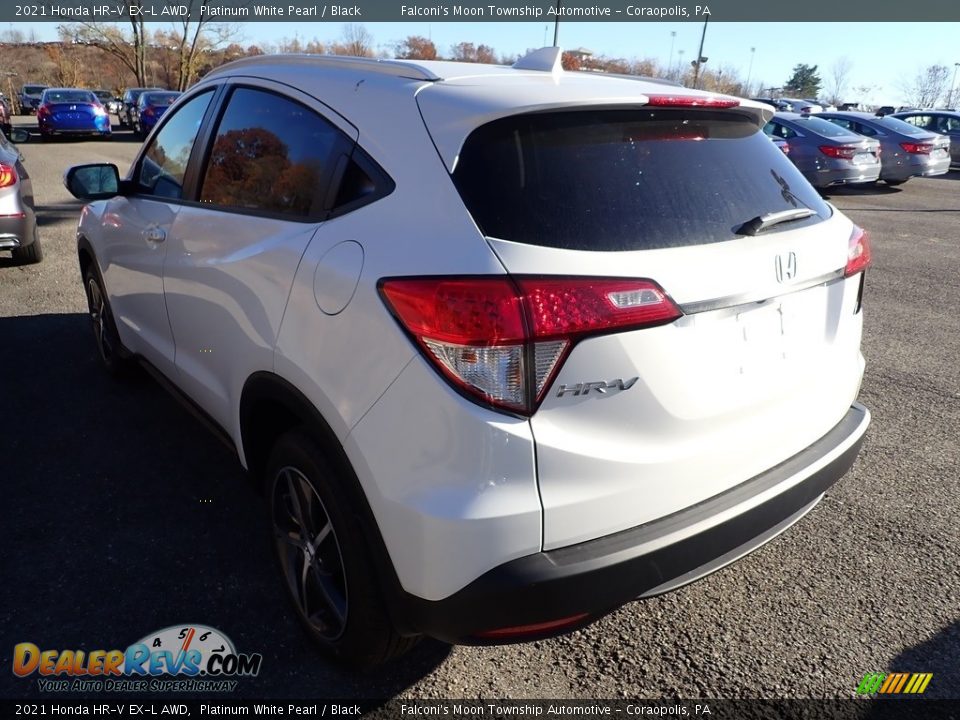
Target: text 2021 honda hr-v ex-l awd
[[506, 347]]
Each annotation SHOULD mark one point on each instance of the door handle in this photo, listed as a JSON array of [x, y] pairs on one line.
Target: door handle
[[155, 234]]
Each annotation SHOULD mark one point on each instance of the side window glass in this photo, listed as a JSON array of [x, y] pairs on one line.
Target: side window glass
[[269, 154], [953, 125], [864, 130], [842, 123], [164, 164], [914, 120]]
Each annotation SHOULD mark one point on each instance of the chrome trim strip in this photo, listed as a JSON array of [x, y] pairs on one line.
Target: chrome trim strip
[[754, 297]]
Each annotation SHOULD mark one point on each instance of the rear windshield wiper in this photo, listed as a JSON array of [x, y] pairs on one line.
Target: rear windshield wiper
[[762, 222]]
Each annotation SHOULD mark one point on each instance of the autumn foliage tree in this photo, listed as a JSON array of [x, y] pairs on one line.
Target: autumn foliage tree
[[416, 47], [468, 52]]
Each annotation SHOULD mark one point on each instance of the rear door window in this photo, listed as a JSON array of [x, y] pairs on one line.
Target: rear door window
[[626, 179], [898, 125]]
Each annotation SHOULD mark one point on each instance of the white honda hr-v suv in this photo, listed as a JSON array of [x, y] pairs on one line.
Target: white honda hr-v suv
[[506, 347]]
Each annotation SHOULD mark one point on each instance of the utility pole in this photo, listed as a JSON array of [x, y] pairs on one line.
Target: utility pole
[[746, 89], [673, 38]]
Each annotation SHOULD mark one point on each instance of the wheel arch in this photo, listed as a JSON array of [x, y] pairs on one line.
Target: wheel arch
[[271, 406]]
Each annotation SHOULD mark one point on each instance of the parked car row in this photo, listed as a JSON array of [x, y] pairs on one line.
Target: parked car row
[[840, 148]]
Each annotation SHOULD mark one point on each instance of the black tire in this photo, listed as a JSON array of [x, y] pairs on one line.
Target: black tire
[[32, 253], [109, 347], [324, 558], [894, 183]]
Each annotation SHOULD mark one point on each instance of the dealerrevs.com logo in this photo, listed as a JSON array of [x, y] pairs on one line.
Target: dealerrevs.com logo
[[185, 658]]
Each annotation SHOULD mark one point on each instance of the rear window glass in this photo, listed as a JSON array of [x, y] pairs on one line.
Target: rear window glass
[[69, 96], [626, 179], [897, 125], [820, 127], [33, 89]]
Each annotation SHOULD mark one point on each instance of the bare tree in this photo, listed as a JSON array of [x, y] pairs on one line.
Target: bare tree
[[468, 52], [194, 37], [130, 48], [837, 82], [928, 86], [355, 40]]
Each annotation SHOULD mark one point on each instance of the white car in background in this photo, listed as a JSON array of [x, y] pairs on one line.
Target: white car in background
[[506, 347]]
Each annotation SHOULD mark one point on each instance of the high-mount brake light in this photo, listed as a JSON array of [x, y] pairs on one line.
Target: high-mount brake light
[[501, 340], [714, 101], [859, 255]]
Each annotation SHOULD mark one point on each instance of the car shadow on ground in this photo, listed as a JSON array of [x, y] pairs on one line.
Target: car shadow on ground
[[878, 188], [48, 215], [125, 516]]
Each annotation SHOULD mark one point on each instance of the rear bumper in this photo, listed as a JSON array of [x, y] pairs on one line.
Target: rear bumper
[[17, 232], [556, 591]]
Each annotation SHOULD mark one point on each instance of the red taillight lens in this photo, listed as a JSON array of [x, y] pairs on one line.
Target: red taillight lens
[[43, 111], [859, 255], [501, 340], [148, 111], [844, 152], [8, 175], [715, 101], [917, 148]]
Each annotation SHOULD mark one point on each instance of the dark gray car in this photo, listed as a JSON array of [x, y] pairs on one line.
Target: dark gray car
[[906, 150], [945, 122], [825, 153]]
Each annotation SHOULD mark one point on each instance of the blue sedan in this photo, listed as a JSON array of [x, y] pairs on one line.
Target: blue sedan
[[71, 111]]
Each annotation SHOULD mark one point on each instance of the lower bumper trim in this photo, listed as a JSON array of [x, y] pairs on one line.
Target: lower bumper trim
[[598, 576]]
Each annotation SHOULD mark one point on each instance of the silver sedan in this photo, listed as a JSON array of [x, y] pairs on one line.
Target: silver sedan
[[906, 150]]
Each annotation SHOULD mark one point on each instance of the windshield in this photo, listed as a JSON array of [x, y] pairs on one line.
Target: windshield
[[33, 89], [626, 179]]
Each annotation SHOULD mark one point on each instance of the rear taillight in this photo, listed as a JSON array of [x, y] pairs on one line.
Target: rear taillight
[[917, 148], [43, 111], [501, 340], [859, 255], [844, 152], [709, 101], [148, 111], [8, 175]]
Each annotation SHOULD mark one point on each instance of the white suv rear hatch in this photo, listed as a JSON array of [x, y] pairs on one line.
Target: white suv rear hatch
[[765, 359]]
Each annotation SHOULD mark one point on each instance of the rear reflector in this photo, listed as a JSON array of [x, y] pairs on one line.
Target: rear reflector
[[501, 340], [859, 255], [708, 101], [520, 631]]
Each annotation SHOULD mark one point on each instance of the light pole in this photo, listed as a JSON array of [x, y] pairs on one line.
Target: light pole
[[953, 84], [673, 38], [679, 65], [556, 26], [746, 89], [700, 58]]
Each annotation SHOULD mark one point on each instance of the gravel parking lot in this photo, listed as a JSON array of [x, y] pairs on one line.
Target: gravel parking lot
[[122, 515]]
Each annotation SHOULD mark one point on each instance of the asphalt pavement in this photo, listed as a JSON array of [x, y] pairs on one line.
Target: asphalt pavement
[[121, 515]]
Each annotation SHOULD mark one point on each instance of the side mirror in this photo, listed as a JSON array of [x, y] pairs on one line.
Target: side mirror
[[97, 181], [19, 135]]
